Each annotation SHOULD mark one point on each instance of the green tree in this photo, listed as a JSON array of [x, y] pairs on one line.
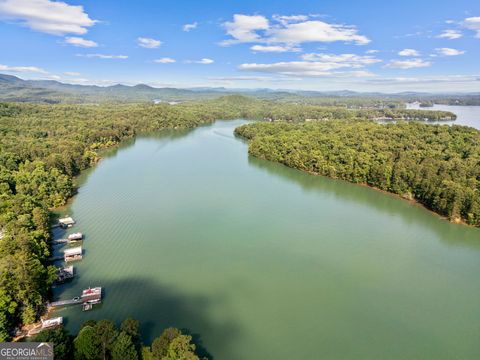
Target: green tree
[[63, 344], [161, 344], [132, 328], [123, 348], [146, 353], [86, 345], [181, 348], [105, 333]]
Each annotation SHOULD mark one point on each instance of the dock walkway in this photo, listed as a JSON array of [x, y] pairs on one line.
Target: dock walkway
[[65, 302]]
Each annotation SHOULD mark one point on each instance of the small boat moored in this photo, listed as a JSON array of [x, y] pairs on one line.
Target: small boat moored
[[49, 323], [64, 274], [75, 236]]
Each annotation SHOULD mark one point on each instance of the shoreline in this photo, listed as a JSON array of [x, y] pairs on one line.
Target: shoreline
[[412, 201]]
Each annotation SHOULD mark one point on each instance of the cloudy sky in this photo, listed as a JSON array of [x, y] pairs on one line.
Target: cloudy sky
[[315, 45]]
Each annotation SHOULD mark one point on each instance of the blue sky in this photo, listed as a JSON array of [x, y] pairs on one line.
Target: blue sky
[[314, 45]]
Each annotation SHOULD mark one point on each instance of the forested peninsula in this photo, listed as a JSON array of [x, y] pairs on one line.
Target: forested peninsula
[[438, 166], [42, 147]]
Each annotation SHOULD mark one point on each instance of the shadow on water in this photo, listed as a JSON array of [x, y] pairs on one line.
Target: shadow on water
[[158, 307], [451, 234]]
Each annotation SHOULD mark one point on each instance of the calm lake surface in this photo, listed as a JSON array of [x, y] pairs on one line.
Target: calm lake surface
[[265, 262], [466, 115]]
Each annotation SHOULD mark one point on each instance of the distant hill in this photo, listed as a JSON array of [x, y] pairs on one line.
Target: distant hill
[[15, 89]]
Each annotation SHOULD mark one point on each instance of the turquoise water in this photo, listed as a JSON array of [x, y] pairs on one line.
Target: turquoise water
[[265, 262]]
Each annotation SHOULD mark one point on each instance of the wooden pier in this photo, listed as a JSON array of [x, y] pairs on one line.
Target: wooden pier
[[90, 296], [74, 301], [64, 241]]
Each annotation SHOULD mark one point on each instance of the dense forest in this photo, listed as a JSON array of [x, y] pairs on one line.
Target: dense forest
[[103, 340], [42, 147], [438, 166]]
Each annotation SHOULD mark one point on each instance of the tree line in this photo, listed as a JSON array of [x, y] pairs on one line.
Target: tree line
[[103, 340], [436, 165]]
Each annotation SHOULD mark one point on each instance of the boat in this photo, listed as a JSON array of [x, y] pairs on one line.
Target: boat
[[89, 304], [49, 323], [75, 236], [64, 274], [72, 254], [91, 294]]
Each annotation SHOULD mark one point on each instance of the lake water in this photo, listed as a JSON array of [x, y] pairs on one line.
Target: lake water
[[466, 115], [266, 262]]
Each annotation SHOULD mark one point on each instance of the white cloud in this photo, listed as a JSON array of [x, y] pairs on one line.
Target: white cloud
[[78, 41], [165, 60], [373, 51], [71, 73], [242, 78], [409, 52], [291, 30], [285, 19], [408, 64], [244, 28], [22, 69], [315, 31], [188, 27], [303, 68], [317, 65], [449, 51], [148, 43], [205, 61], [345, 60], [450, 34], [104, 56], [274, 48], [429, 79], [473, 23], [53, 77], [52, 17]]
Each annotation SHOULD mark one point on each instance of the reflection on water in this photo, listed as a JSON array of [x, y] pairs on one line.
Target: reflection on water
[[386, 203]]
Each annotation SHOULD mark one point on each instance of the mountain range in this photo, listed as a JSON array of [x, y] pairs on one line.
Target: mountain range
[[15, 89]]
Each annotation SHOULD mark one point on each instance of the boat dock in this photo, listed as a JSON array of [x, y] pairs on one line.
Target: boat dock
[[74, 301], [73, 254], [66, 222], [67, 240], [88, 298], [64, 274]]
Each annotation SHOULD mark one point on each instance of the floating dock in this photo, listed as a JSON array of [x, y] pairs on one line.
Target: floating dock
[[66, 222], [90, 296], [73, 254], [65, 274], [53, 322], [74, 301], [75, 236]]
